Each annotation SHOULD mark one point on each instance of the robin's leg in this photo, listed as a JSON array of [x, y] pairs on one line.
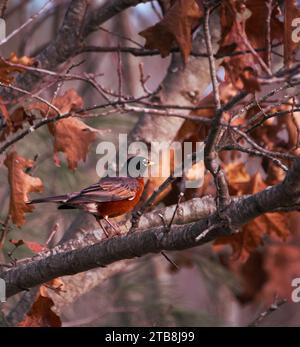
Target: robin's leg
[[113, 226], [102, 227]]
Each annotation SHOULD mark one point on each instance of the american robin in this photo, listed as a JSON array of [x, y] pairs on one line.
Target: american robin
[[109, 197]]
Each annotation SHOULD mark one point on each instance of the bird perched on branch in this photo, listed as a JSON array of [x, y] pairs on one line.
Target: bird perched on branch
[[109, 197]]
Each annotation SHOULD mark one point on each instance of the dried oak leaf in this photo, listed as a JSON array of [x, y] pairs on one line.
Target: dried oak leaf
[[41, 314], [291, 32], [243, 22], [175, 27], [6, 70], [15, 122], [66, 103], [20, 185], [71, 136], [257, 25], [240, 69], [251, 236]]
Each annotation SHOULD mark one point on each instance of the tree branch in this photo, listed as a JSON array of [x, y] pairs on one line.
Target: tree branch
[[211, 159], [153, 240]]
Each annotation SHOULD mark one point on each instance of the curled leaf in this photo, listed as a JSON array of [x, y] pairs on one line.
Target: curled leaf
[[175, 27], [71, 136], [20, 185]]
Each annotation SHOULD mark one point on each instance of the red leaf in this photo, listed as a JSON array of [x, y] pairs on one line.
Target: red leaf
[[33, 246]]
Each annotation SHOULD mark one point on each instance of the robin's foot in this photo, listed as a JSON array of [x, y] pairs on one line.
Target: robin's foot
[[117, 232], [102, 227]]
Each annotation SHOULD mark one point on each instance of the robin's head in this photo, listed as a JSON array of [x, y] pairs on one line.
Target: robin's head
[[137, 165]]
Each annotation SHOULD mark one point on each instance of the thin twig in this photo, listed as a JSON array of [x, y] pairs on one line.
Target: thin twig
[[4, 230], [180, 197], [172, 262], [34, 96], [120, 77], [210, 153], [269, 5], [272, 308], [254, 152], [20, 28], [138, 52]]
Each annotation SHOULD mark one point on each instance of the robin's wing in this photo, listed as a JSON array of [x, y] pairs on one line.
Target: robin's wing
[[107, 189]]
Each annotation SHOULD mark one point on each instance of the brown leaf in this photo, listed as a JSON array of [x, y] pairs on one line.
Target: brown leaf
[[16, 122], [233, 31], [71, 135], [241, 22], [41, 314], [257, 27], [270, 134], [6, 70], [20, 185], [66, 103], [73, 138], [176, 26], [246, 241]]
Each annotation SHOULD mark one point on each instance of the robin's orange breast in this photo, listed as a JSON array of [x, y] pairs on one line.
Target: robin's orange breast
[[117, 208]]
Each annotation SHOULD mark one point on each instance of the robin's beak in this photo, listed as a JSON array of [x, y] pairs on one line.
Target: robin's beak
[[150, 163]]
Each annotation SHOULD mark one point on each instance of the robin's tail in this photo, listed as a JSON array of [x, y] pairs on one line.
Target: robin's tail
[[59, 199]]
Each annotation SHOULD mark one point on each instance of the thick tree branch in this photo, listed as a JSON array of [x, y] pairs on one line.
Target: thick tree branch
[[154, 240], [107, 11]]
